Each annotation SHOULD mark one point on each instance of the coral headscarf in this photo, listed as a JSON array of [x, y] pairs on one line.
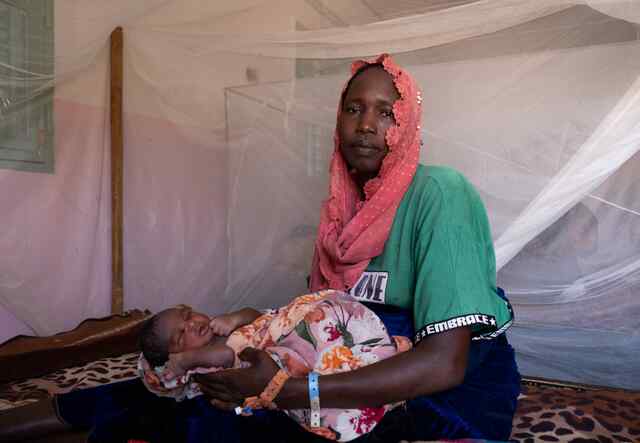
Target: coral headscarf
[[351, 231]]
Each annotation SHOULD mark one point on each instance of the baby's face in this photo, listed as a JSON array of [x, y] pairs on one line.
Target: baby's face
[[185, 329]]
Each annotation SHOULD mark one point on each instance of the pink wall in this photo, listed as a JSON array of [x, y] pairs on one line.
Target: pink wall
[[57, 269], [175, 187], [11, 326], [54, 264]]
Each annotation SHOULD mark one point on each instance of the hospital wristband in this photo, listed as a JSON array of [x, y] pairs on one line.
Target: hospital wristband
[[314, 400]]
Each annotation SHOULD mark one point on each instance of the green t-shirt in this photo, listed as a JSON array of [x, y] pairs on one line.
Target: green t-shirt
[[438, 260]]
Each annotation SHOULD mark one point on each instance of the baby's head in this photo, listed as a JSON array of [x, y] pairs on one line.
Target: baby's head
[[173, 330]]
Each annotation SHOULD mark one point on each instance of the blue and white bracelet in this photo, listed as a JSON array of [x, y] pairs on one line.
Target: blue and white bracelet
[[314, 399]]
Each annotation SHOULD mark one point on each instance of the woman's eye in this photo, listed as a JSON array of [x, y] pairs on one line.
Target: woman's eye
[[387, 113], [352, 109]]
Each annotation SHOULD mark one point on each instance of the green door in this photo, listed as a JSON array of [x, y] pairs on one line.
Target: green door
[[26, 86]]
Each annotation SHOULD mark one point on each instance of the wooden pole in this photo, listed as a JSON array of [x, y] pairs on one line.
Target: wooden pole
[[117, 291]]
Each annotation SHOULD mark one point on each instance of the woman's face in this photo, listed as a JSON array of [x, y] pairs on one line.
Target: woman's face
[[367, 113]]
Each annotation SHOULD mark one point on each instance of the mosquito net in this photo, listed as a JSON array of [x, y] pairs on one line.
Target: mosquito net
[[229, 111]]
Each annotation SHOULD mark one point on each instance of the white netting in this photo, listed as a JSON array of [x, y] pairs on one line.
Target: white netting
[[229, 115]]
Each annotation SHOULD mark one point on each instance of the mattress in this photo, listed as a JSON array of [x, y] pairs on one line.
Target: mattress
[[95, 373], [547, 411]]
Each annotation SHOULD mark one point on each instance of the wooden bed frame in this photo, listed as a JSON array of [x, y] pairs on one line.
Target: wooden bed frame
[[94, 339]]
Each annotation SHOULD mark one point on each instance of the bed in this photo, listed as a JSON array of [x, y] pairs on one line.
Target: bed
[[104, 351]]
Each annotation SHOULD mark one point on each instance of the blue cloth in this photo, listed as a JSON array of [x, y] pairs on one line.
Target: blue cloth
[[481, 407]]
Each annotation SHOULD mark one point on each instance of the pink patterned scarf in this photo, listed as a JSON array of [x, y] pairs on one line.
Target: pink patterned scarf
[[351, 231]]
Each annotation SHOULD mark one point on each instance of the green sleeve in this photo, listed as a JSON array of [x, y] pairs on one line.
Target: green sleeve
[[455, 264]]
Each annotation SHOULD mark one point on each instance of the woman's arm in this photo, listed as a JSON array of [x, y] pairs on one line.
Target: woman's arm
[[436, 364]]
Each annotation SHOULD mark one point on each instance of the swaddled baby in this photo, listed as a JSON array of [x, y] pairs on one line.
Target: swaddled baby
[[327, 332]]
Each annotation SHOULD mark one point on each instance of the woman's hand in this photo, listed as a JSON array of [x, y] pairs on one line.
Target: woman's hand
[[228, 389]]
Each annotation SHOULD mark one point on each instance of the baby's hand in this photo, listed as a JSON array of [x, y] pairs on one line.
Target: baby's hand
[[224, 324], [174, 367]]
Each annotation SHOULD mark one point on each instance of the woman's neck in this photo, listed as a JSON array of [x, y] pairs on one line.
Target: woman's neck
[[360, 181]]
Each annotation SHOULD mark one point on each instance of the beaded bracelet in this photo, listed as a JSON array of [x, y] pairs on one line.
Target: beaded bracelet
[[314, 399], [265, 399], [275, 386]]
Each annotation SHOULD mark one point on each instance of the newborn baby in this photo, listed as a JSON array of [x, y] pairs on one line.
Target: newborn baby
[[327, 332], [179, 339]]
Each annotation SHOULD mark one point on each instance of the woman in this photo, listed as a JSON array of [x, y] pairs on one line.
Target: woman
[[413, 242]]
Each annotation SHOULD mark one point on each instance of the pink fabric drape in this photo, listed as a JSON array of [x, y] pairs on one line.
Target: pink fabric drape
[[352, 231]]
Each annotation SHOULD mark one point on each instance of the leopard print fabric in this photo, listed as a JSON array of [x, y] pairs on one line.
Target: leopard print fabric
[[545, 413], [95, 373], [573, 415]]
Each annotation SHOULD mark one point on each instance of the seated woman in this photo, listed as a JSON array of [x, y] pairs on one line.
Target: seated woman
[[414, 243], [328, 332], [410, 241]]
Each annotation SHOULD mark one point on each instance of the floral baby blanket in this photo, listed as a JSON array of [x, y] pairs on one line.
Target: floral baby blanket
[[327, 332]]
